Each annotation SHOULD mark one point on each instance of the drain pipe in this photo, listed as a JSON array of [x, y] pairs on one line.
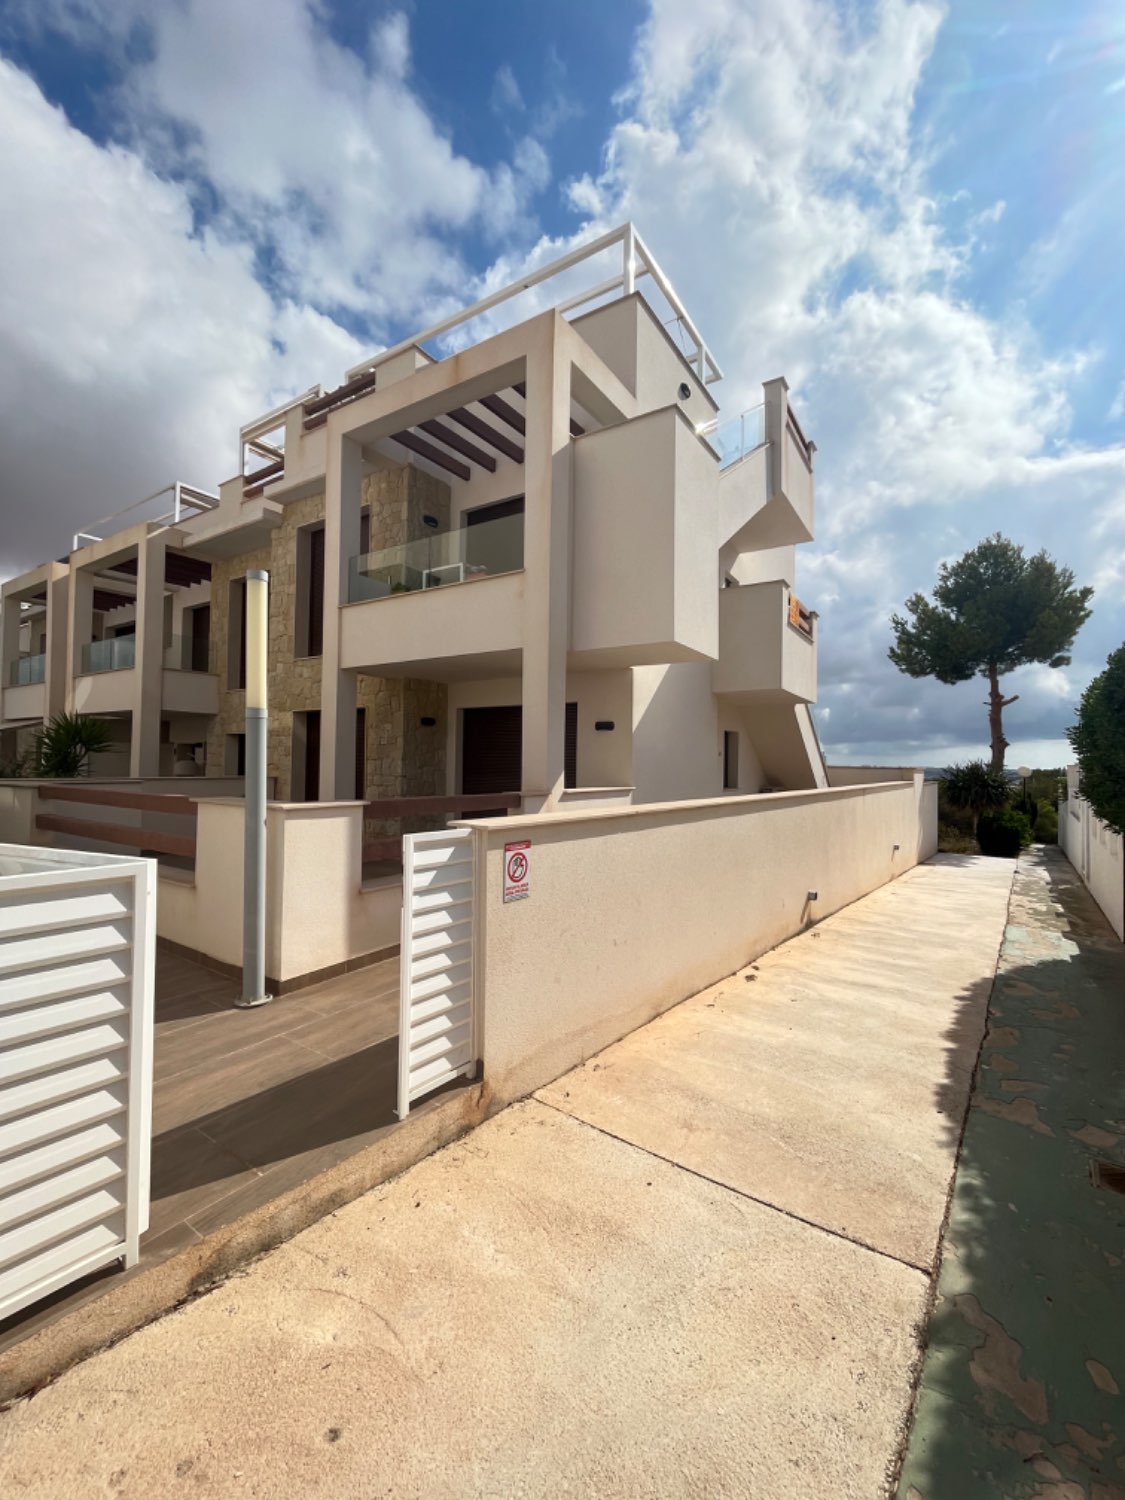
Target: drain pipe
[[254, 863]]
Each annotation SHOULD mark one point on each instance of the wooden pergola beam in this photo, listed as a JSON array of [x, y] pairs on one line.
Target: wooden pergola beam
[[420, 446], [459, 444], [476, 425]]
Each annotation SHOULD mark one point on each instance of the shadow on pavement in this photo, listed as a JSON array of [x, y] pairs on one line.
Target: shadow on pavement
[[1021, 1389]]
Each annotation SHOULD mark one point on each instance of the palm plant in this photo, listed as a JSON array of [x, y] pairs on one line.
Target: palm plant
[[64, 746], [976, 787]]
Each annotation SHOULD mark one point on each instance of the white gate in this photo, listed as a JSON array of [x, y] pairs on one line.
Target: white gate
[[436, 1039], [77, 935]]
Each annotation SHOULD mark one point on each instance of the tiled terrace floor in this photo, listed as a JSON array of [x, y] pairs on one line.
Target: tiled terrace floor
[[250, 1103]]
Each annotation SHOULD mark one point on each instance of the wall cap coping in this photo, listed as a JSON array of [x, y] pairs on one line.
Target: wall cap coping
[[755, 802], [309, 807]]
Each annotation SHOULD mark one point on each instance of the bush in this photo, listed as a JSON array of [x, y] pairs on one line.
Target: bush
[[1003, 832], [954, 840], [974, 787], [1099, 742], [1047, 825]]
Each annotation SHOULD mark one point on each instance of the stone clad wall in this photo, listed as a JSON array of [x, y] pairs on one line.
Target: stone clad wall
[[403, 758]]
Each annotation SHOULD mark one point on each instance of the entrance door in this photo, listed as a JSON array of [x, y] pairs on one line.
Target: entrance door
[[492, 749]]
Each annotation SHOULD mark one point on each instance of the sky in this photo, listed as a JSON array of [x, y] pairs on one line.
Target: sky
[[911, 210]]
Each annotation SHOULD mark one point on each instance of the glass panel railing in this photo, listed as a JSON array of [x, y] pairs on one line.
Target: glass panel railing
[[26, 670], [739, 436], [188, 653], [436, 561], [113, 655]]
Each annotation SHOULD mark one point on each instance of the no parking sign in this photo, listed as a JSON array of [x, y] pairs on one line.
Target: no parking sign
[[517, 870]]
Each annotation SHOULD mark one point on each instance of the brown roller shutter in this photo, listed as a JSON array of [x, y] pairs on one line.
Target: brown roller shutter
[[492, 749]]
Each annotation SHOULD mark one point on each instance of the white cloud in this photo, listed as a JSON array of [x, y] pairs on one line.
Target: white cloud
[[131, 348], [506, 95], [769, 154]]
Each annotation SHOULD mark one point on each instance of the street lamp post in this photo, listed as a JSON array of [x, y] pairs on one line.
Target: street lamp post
[[254, 863]]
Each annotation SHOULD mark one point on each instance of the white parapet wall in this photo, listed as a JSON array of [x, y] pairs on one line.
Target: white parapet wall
[[1095, 851], [631, 910], [319, 915]]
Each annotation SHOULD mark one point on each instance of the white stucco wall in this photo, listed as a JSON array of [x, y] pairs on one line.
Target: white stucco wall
[[317, 912], [1096, 853], [631, 911]]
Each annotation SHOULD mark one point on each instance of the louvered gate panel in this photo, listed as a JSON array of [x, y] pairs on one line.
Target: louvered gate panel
[[436, 1026], [75, 1065]]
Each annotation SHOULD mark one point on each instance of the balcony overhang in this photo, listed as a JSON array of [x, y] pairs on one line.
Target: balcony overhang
[[460, 631], [763, 658], [233, 535]]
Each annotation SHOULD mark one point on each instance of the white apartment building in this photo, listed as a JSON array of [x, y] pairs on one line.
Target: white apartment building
[[532, 561]]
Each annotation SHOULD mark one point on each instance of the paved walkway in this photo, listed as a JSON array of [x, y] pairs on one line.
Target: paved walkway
[[696, 1266], [1023, 1388]]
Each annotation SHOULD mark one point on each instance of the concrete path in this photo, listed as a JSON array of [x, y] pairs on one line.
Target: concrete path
[[696, 1266], [1023, 1388]]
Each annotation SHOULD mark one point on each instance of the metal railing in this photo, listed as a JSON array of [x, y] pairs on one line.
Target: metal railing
[[437, 560], [636, 261], [733, 439], [187, 501], [116, 654], [26, 670]]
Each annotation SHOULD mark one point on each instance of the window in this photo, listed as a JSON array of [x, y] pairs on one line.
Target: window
[[236, 644], [308, 626], [199, 630], [304, 776], [497, 547], [730, 760], [234, 758], [361, 755]]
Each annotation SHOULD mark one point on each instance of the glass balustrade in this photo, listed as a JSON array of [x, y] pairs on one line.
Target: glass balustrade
[[26, 670], [112, 655], [438, 560], [739, 436], [188, 653]]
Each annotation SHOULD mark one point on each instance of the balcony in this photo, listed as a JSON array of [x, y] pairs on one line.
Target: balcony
[[767, 646], [410, 610], [109, 686], [438, 560], [115, 654], [25, 696], [766, 487], [644, 544], [27, 670]]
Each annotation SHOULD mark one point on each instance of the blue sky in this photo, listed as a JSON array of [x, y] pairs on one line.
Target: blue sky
[[911, 210]]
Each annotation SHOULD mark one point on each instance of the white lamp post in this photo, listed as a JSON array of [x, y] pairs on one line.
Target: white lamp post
[[254, 865]]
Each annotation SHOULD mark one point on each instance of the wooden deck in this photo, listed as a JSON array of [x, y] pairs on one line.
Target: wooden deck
[[250, 1103]]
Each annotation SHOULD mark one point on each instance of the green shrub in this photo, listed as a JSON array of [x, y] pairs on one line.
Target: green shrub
[[1047, 825], [1003, 832], [954, 840], [974, 787], [1099, 742]]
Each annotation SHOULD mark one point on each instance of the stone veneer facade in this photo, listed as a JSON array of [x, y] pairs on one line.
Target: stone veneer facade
[[403, 758]]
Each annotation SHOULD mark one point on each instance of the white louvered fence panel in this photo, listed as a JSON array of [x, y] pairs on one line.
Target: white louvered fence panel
[[436, 1029], [76, 996]]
